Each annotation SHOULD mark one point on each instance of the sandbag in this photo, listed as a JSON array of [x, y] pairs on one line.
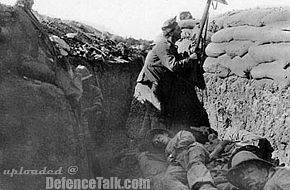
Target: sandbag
[[256, 42], [224, 60], [280, 25], [221, 19], [274, 70], [276, 15], [36, 70], [215, 49], [210, 65], [250, 17], [249, 33], [241, 66], [254, 17], [273, 35], [262, 35], [237, 48], [218, 66], [270, 52], [224, 35]]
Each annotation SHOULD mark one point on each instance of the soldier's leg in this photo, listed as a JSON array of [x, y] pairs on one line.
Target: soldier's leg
[[151, 120], [226, 186], [198, 175], [146, 125], [175, 178]]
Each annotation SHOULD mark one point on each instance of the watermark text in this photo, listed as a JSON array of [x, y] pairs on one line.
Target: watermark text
[[113, 183]]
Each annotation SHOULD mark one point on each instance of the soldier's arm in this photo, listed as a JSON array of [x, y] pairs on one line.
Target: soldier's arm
[[172, 61]]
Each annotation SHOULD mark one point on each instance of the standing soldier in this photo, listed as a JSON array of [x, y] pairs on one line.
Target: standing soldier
[[92, 108], [162, 84]]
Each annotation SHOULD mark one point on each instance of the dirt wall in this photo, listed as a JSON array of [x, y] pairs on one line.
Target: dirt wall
[[36, 123], [247, 75]]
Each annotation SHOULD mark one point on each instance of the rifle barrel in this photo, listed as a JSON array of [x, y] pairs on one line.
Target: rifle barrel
[[202, 23]]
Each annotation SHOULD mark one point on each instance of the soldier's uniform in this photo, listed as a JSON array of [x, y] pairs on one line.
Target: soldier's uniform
[[187, 169], [280, 180], [163, 83]]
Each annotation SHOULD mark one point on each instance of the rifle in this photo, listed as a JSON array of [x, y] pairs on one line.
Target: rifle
[[203, 20], [198, 70]]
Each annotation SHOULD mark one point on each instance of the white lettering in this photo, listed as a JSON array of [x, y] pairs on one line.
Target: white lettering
[[92, 184], [43, 171], [69, 184], [127, 183], [85, 184], [6, 172], [49, 182], [13, 172], [106, 183], [99, 181], [58, 172], [135, 184], [57, 184], [63, 180], [117, 183], [21, 170]]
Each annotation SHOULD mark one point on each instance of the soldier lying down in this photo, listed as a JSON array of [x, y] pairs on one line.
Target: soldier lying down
[[192, 165]]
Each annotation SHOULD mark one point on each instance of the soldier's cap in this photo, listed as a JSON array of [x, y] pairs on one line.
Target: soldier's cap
[[170, 24], [240, 159], [151, 133], [250, 148], [85, 73]]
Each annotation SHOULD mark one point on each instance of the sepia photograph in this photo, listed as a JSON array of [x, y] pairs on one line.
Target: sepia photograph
[[144, 95]]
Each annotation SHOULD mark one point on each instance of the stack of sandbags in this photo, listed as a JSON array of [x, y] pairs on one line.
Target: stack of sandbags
[[253, 44]]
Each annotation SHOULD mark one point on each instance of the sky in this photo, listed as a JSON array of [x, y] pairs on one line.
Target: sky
[[135, 18]]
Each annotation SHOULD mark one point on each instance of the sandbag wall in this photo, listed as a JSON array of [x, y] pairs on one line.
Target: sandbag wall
[[252, 44], [248, 74]]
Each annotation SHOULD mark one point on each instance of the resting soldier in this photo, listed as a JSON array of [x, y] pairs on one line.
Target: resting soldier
[[253, 173], [186, 157], [190, 161]]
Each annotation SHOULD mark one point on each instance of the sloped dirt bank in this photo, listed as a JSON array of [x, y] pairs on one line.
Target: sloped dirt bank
[[36, 132], [36, 122]]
